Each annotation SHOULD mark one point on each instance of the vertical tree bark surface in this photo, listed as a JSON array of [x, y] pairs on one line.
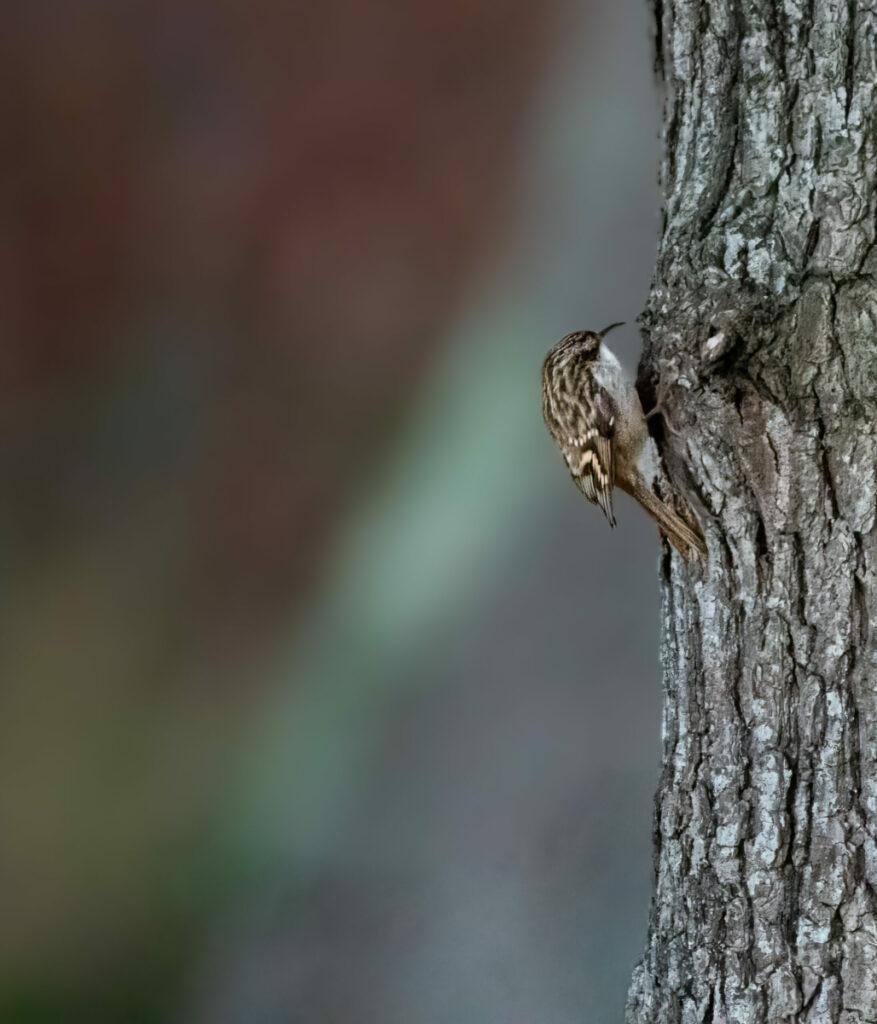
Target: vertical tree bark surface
[[761, 339]]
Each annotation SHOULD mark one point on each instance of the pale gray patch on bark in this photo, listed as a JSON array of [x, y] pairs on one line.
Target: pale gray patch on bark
[[761, 338]]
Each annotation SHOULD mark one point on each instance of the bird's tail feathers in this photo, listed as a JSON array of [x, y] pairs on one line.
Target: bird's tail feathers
[[687, 541]]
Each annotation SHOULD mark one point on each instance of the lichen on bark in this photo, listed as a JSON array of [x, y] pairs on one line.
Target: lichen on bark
[[761, 338]]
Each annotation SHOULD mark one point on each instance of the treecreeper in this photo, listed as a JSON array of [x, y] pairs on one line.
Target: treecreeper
[[594, 414]]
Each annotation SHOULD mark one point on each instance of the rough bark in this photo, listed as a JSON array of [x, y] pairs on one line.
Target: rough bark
[[761, 338]]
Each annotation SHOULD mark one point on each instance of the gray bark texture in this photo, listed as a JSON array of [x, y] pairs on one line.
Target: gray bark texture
[[761, 341]]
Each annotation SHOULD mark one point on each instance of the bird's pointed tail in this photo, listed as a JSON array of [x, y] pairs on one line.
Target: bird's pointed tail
[[686, 541]]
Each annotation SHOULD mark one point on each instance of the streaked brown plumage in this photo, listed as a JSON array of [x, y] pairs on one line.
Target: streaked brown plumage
[[594, 414]]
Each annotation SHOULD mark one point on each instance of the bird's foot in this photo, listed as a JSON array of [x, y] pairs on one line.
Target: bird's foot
[[659, 410]]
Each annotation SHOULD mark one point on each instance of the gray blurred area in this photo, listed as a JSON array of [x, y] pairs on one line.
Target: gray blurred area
[[325, 695], [446, 801]]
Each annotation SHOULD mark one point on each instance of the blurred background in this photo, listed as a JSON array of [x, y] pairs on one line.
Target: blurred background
[[325, 696]]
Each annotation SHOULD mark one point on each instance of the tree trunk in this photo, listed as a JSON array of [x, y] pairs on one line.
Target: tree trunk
[[761, 340]]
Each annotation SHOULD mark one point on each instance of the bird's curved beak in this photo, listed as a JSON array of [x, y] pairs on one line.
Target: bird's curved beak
[[612, 327]]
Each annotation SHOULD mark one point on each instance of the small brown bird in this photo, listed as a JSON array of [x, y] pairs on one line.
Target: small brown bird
[[594, 414]]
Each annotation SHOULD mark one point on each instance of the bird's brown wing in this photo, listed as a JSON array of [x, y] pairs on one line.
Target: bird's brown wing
[[590, 457]]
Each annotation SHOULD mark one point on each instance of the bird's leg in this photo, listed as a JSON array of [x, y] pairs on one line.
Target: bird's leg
[[660, 409]]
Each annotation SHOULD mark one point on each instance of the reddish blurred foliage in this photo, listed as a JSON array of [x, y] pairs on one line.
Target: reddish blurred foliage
[[291, 193]]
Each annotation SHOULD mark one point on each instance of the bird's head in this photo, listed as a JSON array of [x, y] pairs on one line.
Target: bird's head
[[577, 345]]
